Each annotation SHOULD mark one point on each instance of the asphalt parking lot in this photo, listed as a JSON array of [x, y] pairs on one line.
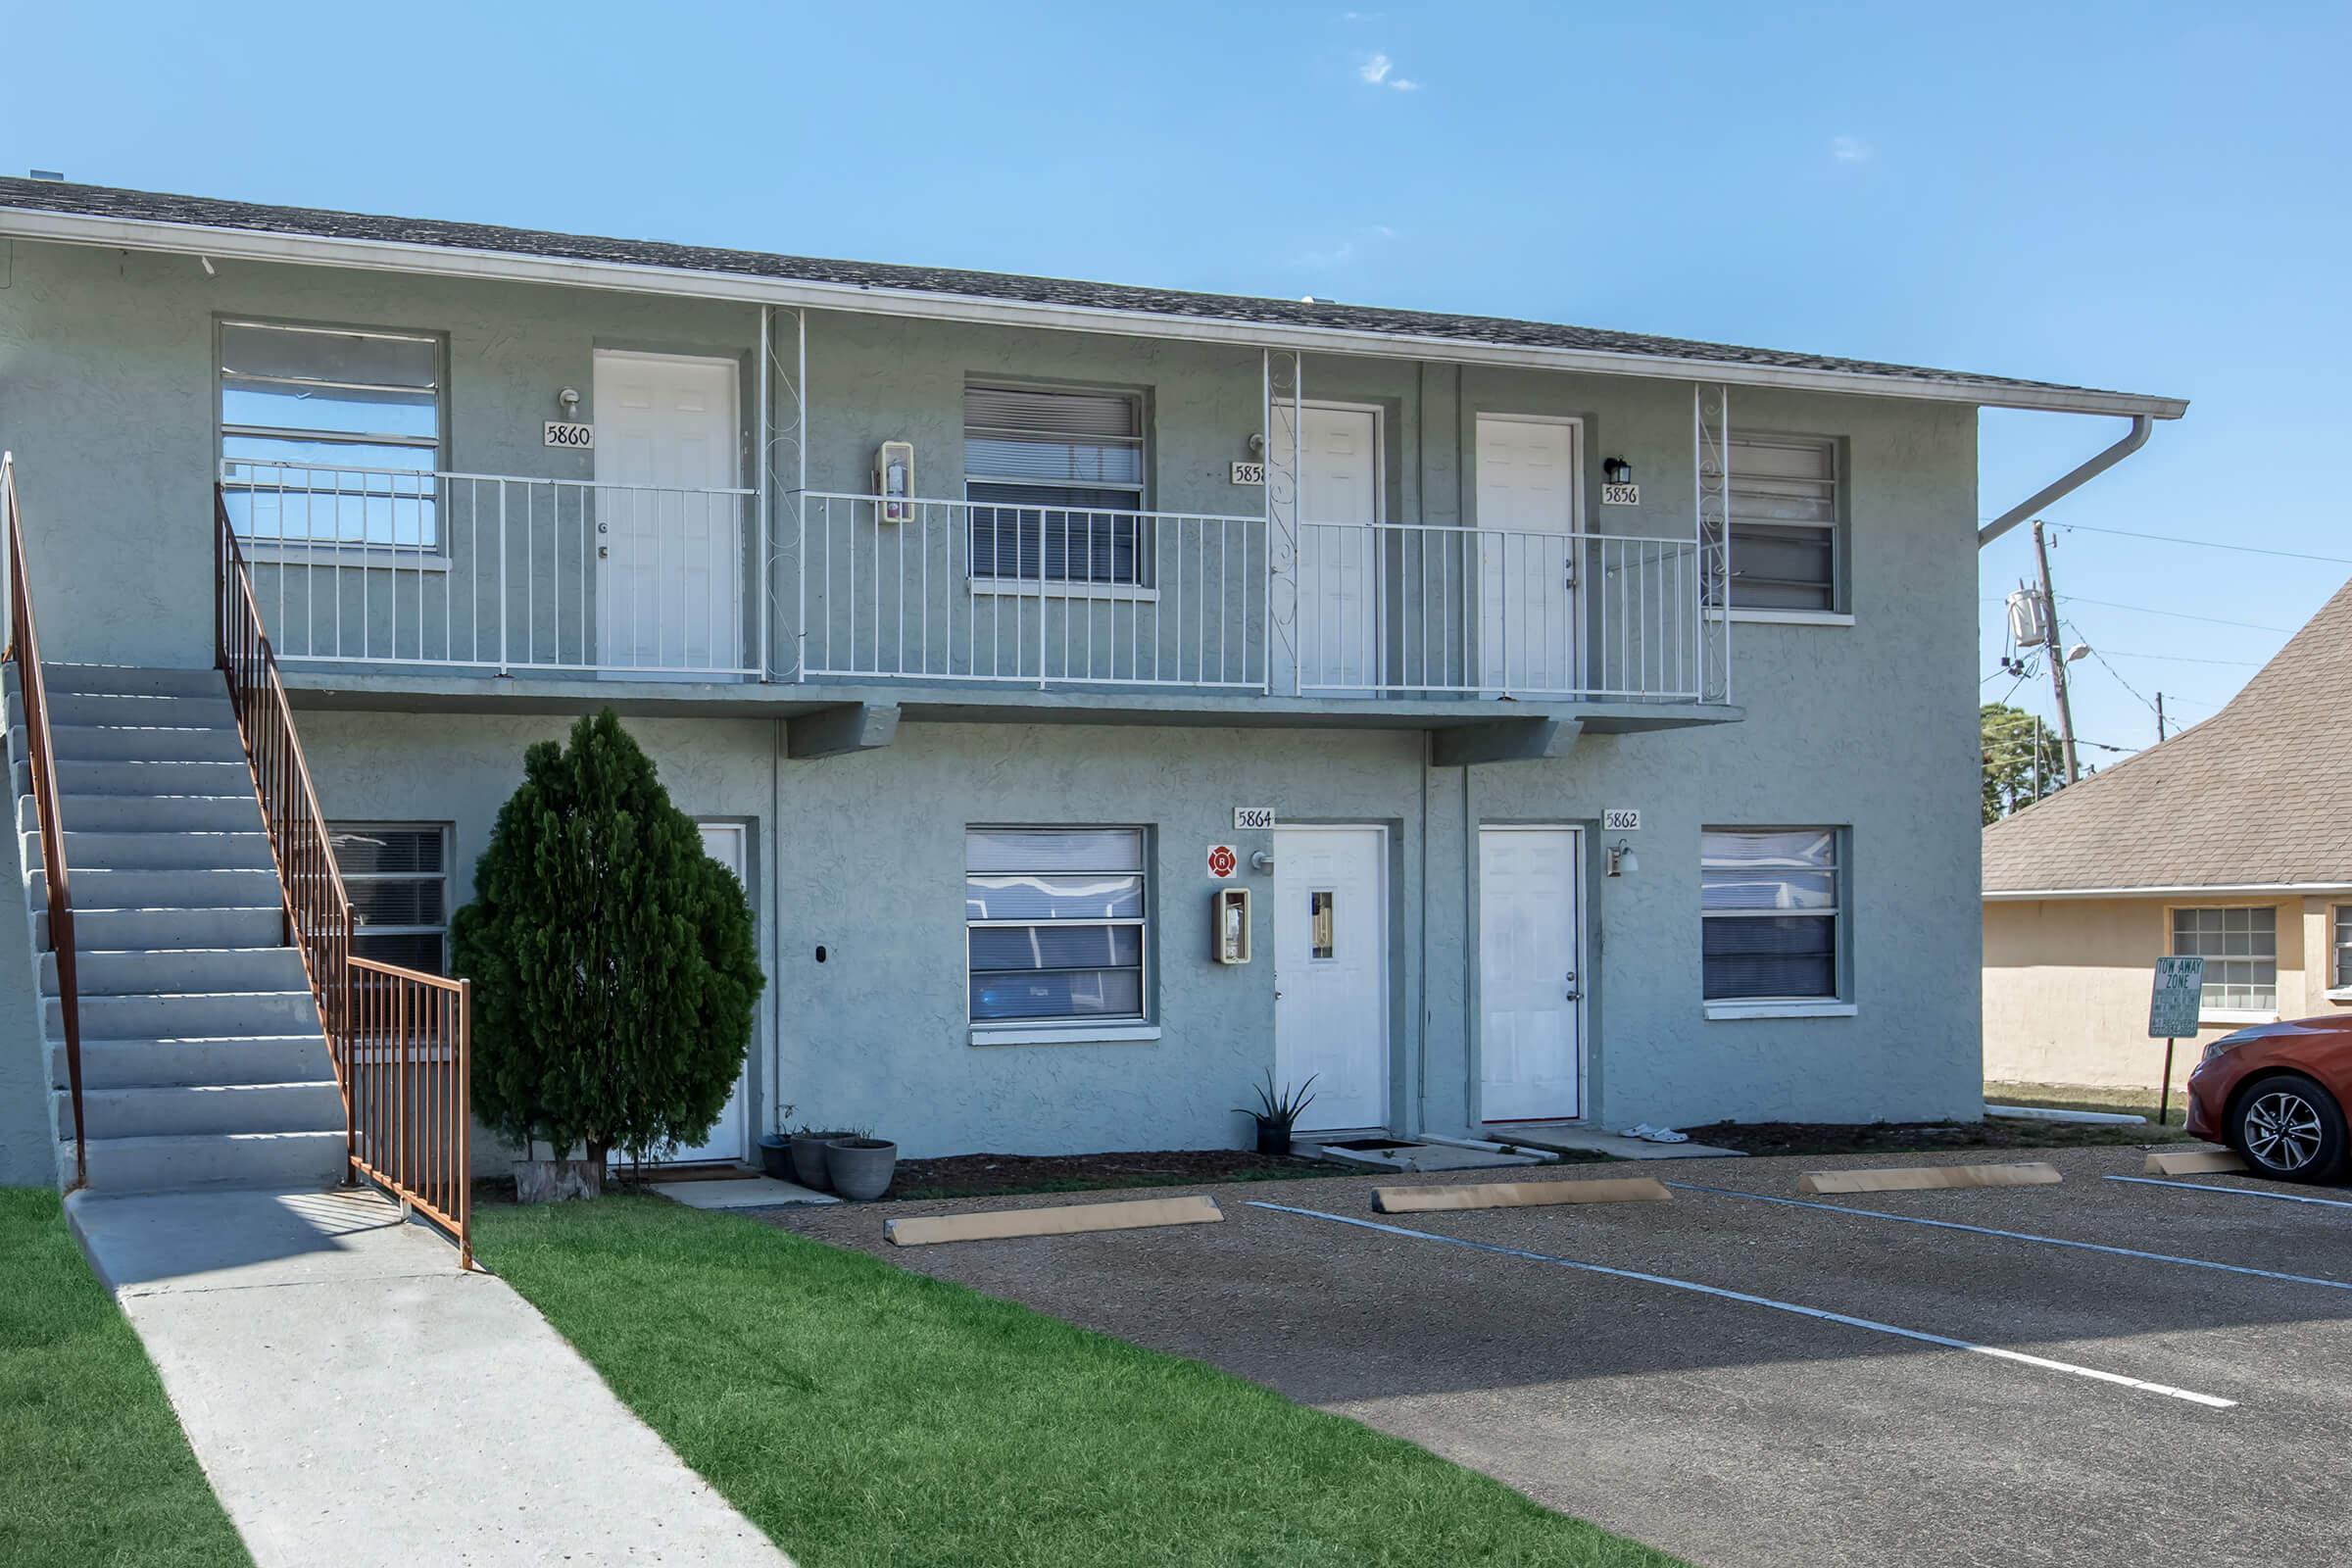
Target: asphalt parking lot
[[2194, 1415]]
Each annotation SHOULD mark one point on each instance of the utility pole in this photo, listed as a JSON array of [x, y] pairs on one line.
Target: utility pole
[[2160, 718], [2056, 649]]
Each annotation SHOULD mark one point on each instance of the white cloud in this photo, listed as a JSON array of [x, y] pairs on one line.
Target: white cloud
[[1851, 149], [1379, 70]]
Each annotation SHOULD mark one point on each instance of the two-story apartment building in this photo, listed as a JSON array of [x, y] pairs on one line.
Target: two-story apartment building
[[968, 611]]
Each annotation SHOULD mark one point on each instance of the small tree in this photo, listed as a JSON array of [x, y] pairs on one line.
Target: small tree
[[2022, 759], [614, 974]]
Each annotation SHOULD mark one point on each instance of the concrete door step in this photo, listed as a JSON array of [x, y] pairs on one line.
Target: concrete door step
[[1409, 1155], [1593, 1141]]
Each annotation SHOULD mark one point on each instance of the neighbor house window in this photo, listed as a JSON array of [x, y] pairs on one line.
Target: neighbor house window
[[2240, 949], [330, 435], [1769, 910], [397, 874], [1055, 479], [1783, 516], [2342, 967], [1053, 923]]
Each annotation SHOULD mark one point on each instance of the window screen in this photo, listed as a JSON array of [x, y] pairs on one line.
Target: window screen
[[330, 435], [1053, 923], [2343, 947], [397, 878], [2240, 949], [1783, 509], [1770, 908], [1055, 479]]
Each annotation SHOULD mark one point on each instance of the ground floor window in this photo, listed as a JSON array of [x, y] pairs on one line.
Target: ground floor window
[[1771, 908], [1053, 923], [397, 874], [2240, 949], [2342, 967]]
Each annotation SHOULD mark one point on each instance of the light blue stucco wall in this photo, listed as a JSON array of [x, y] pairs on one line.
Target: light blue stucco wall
[[106, 388]]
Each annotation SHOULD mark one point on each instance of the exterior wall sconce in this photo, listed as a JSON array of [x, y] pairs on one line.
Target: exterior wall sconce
[[1616, 471], [568, 400], [1623, 861]]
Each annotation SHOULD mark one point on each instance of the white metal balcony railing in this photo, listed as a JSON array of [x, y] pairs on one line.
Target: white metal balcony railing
[[492, 573]]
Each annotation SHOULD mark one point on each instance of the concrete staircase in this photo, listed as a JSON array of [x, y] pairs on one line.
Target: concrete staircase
[[203, 1060]]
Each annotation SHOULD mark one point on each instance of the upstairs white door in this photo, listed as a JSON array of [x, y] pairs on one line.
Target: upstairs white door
[[1526, 486], [1530, 973], [1338, 548], [1331, 951], [728, 844], [668, 552]]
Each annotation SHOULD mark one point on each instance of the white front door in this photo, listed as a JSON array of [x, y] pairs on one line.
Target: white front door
[[1331, 964], [668, 552], [725, 842], [1338, 549], [1530, 973], [1527, 487]]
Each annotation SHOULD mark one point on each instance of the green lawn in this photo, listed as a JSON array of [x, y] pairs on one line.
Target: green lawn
[[96, 1469], [862, 1414]]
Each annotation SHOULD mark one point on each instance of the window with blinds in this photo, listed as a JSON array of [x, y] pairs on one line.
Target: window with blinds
[[2240, 949], [1055, 479], [1784, 517], [330, 435], [1053, 923], [1771, 902], [397, 874]]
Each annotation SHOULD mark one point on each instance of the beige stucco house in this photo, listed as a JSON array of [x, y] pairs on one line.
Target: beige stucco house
[[2231, 840]]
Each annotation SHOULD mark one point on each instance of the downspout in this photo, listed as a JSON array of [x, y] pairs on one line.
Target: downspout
[[2084, 472]]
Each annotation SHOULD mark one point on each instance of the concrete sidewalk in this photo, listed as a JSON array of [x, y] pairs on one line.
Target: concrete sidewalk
[[355, 1399]]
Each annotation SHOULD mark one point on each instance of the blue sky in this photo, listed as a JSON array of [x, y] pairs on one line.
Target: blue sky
[[2147, 197]]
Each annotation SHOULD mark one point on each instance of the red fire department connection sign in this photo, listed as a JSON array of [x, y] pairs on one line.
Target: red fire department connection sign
[[1221, 862]]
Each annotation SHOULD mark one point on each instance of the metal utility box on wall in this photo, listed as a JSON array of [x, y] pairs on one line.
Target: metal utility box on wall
[[894, 480], [1232, 935]]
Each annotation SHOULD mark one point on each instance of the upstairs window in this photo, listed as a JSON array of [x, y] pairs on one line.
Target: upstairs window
[[330, 435], [1770, 909], [1053, 924], [397, 874], [1784, 510], [1055, 480], [2240, 949]]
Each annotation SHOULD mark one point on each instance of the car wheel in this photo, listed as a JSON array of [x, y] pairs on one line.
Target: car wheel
[[2290, 1128]]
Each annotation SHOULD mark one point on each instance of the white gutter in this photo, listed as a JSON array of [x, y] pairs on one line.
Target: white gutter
[[142, 235], [2192, 889], [2081, 475]]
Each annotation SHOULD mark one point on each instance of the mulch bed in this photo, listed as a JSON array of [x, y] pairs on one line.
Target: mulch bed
[[1920, 1136], [983, 1175]]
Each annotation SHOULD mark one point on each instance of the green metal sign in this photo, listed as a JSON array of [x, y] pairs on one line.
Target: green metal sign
[[2179, 992]]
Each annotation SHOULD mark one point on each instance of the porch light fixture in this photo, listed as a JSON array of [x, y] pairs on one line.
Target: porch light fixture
[[1616, 471], [569, 400], [1623, 861]]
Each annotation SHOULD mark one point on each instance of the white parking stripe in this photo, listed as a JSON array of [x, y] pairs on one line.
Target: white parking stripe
[[2023, 1236], [1945, 1340], [2243, 1192]]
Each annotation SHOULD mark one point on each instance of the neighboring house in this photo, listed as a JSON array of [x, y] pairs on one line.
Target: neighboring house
[[2232, 841], [1441, 593]]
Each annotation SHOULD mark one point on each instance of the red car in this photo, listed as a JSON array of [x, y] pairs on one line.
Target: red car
[[2276, 1093]]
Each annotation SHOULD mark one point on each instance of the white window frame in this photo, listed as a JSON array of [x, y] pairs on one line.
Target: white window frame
[[1839, 1004], [448, 835], [1101, 1029], [1140, 587], [2340, 951], [1839, 610], [2209, 1007]]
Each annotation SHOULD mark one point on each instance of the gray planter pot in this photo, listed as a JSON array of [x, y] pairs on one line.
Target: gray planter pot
[[808, 1158], [861, 1167], [557, 1181]]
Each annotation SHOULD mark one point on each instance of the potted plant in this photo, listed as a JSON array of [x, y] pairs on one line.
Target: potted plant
[[775, 1149], [861, 1166], [1278, 1112], [809, 1155]]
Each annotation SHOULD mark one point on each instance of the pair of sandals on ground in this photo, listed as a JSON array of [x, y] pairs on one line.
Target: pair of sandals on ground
[[1655, 1135]]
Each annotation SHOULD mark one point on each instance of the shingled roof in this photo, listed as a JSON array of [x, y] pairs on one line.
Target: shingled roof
[[214, 213], [2260, 794]]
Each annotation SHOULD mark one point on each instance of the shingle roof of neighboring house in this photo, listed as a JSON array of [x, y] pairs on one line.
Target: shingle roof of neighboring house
[[2259, 795], [151, 207]]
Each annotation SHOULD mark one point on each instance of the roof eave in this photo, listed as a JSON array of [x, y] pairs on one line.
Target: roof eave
[[2201, 889], [318, 249]]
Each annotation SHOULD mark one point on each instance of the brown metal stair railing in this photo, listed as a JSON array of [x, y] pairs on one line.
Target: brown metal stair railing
[[399, 1038], [25, 647]]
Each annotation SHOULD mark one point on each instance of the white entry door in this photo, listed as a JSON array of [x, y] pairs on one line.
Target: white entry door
[[1331, 964], [668, 553], [725, 842], [1530, 973], [1338, 548], [1526, 486]]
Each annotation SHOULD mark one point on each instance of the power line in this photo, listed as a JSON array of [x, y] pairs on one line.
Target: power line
[[2185, 659], [2207, 544], [2177, 615]]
